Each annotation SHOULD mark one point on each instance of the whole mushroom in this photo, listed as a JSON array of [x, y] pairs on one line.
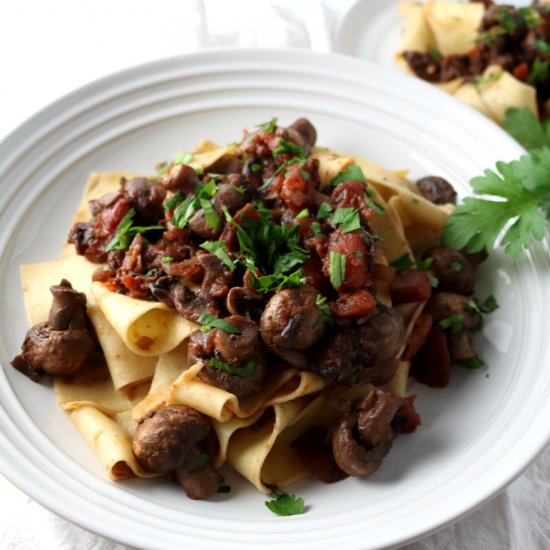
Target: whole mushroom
[[168, 440]]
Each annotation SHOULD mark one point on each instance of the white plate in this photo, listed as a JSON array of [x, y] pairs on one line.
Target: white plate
[[371, 30], [476, 436]]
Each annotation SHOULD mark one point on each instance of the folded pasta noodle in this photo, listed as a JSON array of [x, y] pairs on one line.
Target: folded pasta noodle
[[239, 299], [146, 328]]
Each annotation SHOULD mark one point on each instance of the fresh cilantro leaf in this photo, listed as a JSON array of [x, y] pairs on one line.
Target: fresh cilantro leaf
[[337, 268], [530, 16], [506, 20], [453, 322], [456, 266], [524, 186], [173, 201], [210, 321], [403, 262], [347, 218], [324, 211], [352, 172], [219, 249], [524, 127], [488, 37], [243, 372], [303, 214], [285, 504], [151, 272], [167, 259], [256, 167]]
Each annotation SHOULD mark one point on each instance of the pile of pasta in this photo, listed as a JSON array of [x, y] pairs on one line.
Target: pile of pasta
[[452, 28], [144, 344]]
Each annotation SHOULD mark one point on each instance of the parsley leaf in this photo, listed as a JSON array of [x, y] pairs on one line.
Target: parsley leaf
[[524, 127], [539, 71], [542, 46], [243, 372], [219, 249], [403, 262], [524, 186], [284, 504], [352, 172], [289, 148], [182, 158], [337, 268], [210, 321], [347, 218], [272, 283], [268, 126], [435, 53], [453, 322], [126, 232], [324, 211], [471, 364], [322, 305]]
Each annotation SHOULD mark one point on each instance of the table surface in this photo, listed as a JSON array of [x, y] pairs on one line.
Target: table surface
[[50, 48]]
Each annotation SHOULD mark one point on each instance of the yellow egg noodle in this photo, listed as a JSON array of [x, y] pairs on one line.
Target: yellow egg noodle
[[452, 28], [145, 343]]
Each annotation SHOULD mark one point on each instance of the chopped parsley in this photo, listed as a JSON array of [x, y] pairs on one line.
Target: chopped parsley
[[539, 71], [243, 372], [371, 204], [352, 172], [337, 269], [472, 364], [272, 283], [435, 53], [454, 323], [542, 46], [126, 232], [185, 208], [303, 214], [479, 81], [285, 504], [322, 305], [425, 263], [347, 218], [403, 262], [316, 228], [289, 148], [182, 158], [269, 126], [209, 322], [324, 211], [456, 266], [219, 249]]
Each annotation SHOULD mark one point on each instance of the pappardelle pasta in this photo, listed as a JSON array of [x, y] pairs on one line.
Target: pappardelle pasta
[[492, 56], [262, 304]]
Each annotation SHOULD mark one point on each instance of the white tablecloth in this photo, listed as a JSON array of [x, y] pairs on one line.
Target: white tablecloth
[[49, 48]]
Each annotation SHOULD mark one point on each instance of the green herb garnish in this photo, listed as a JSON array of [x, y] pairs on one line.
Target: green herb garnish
[[219, 249], [322, 305], [352, 172], [269, 126], [210, 321], [403, 262], [182, 158], [347, 218], [284, 504], [243, 372], [539, 71], [324, 211], [453, 322], [337, 268], [126, 232]]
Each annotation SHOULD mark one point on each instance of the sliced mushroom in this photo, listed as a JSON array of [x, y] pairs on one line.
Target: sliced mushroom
[[363, 438]]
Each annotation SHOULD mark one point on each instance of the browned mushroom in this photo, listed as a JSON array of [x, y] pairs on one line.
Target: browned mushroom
[[363, 438], [233, 361], [291, 320], [169, 440], [452, 270], [63, 343], [437, 190]]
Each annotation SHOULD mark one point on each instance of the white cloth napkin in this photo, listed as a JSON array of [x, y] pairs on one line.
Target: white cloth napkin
[[50, 48]]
